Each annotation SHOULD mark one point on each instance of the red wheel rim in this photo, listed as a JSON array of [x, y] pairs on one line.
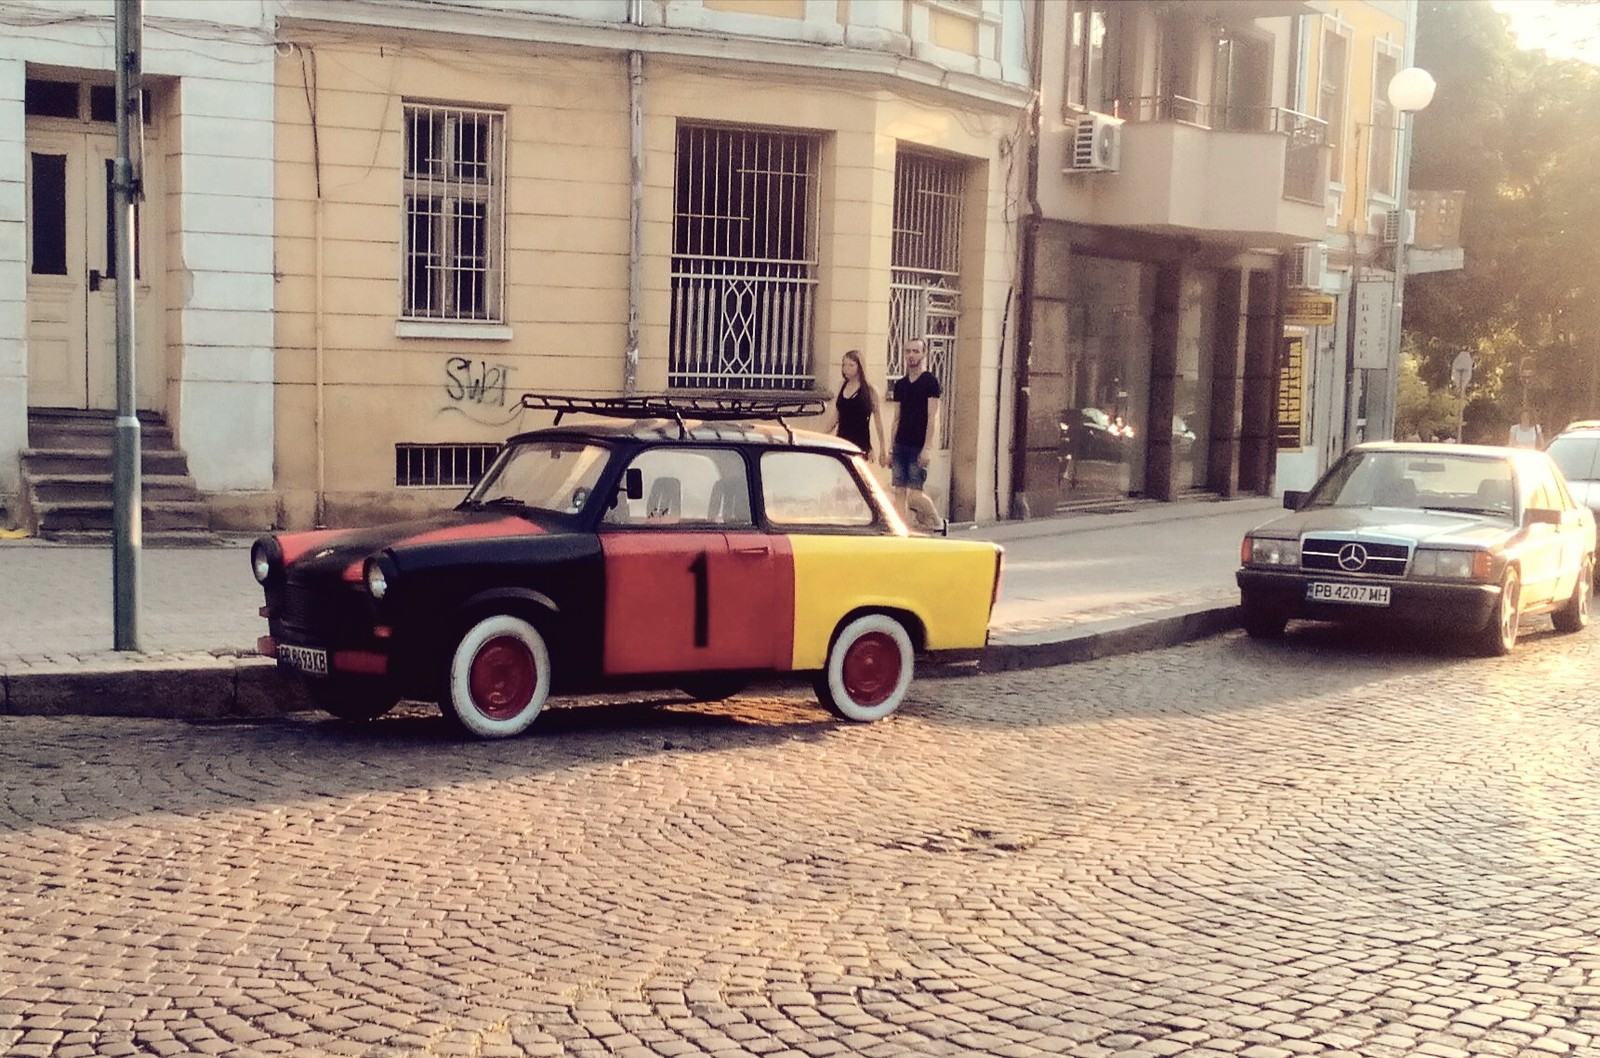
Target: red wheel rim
[[504, 674], [872, 668]]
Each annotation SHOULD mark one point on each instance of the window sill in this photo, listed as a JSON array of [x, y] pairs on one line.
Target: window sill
[[460, 329]]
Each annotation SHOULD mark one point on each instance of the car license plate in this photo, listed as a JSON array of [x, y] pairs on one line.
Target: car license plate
[[306, 659], [1356, 594]]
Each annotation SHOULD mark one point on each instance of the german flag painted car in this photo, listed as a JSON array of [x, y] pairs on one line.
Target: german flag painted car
[[676, 543]]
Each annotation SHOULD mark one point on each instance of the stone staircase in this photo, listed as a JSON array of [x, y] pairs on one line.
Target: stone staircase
[[67, 491]]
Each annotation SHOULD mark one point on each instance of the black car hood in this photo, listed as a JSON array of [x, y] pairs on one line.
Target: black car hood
[[344, 550], [1424, 527]]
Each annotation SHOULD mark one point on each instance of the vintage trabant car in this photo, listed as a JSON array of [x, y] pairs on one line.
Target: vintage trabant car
[[672, 542], [1465, 538]]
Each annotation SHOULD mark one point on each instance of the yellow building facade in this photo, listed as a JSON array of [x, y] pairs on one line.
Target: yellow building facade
[[466, 212], [1336, 354]]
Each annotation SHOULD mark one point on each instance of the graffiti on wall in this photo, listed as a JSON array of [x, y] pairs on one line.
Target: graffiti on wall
[[475, 386]]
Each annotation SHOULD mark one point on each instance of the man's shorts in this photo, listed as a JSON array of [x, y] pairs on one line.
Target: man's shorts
[[905, 470]]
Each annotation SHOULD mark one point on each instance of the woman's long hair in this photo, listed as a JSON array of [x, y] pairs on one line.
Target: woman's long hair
[[854, 356]]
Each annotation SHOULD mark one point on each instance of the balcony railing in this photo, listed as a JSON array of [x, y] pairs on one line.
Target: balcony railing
[[1305, 176]]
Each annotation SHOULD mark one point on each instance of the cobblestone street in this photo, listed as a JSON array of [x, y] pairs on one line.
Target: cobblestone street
[[1319, 846]]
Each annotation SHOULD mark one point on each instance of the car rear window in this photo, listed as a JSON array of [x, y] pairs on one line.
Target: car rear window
[[812, 489]]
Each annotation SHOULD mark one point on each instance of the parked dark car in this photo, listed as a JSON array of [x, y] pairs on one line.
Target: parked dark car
[[1089, 433], [676, 543], [1463, 538]]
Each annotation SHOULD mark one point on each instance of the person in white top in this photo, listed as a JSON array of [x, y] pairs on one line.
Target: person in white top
[[1526, 433]]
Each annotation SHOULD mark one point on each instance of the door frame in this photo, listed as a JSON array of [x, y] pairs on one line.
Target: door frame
[[84, 319]]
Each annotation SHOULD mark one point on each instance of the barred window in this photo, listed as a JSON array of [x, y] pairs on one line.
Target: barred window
[[743, 260], [433, 465], [454, 242], [925, 288]]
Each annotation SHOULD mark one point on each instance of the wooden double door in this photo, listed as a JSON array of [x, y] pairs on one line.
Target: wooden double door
[[72, 276]]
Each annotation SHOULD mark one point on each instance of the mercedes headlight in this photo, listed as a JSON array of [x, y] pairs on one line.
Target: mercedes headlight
[[1459, 565], [1268, 551]]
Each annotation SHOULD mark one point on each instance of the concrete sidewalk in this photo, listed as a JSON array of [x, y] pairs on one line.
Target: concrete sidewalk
[[1076, 586]]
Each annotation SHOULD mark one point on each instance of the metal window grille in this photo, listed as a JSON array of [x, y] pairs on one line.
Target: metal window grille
[[925, 284], [744, 260], [454, 239], [431, 465]]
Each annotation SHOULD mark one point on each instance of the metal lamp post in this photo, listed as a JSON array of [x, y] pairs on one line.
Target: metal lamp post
[[126, 484], [1410, 90]]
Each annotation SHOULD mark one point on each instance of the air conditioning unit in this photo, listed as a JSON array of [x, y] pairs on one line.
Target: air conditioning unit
[[1307, 264], [1394, 226], [1096, 145]]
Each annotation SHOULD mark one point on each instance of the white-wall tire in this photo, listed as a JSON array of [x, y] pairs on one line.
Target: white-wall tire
[[869, 669], [499, 677]]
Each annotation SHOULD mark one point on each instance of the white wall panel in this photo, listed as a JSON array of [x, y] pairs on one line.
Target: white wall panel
[[234, 422], [230, 214], [205, 172], [229, 137], [234, 330], [211, 288], [226, 252]]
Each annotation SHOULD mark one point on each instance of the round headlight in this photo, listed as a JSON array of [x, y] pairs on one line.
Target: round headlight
[[260, 563], [377, 583]]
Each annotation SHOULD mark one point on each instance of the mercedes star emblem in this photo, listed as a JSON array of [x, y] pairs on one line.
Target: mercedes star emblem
[[1352, 557]]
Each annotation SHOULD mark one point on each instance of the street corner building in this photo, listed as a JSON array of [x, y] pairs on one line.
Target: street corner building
[[1212, 179], [365, 228]]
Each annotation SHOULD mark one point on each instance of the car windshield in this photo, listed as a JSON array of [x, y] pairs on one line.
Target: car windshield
[[1469, 484], [555, 476], [1577, 456]]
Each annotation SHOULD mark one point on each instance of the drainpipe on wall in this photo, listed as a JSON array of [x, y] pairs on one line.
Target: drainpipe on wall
[[630, 359], [308, 79], [322, 447], [1020, 411]]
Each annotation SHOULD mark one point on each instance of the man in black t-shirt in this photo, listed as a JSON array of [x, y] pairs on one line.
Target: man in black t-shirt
[[916, 435]]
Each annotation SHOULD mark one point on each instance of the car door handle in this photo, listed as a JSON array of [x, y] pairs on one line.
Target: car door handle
[[758, 549], [94, 279]]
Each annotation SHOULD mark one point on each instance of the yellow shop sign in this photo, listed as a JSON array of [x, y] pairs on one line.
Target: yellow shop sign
[[1308, 310]]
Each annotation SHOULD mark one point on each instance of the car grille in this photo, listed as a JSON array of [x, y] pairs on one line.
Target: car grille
[[1334, 555], [319, 611]]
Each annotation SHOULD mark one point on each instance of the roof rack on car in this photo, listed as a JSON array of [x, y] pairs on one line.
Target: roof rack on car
[[678, 408]]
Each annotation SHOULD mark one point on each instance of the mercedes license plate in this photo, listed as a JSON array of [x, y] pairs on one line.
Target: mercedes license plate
[[1355, 594], [306, 659]]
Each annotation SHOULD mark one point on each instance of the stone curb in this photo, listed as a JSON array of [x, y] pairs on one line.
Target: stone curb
[[246, 687], [175, 687], [1098, 639]]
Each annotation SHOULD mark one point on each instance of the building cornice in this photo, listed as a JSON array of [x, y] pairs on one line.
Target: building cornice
[[507, 30]]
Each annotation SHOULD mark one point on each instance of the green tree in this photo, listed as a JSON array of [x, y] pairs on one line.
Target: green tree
[[1516, 130], [1421, 410]]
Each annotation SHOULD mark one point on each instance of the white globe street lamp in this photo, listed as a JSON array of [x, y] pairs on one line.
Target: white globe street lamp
[[1409, 91]]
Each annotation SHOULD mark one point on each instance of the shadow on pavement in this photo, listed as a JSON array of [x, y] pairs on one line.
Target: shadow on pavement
[[47, 764]]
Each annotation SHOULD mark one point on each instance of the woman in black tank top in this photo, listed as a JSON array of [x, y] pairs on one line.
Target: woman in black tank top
[[854, 412]]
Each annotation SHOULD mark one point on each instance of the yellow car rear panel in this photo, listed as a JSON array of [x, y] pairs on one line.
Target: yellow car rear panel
[[947, 585]]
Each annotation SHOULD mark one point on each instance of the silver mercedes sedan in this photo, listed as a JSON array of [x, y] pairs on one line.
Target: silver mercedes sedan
[[1460, 539]]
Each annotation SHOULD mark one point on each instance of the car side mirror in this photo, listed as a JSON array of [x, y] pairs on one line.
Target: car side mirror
[[1541, 516], [633, 483], [1293, 499]]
